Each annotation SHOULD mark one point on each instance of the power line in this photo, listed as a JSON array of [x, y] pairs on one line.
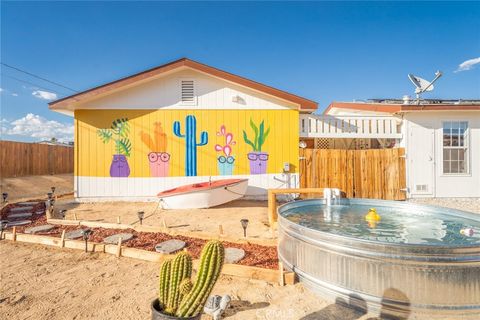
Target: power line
[[30, 83], [41, 78]]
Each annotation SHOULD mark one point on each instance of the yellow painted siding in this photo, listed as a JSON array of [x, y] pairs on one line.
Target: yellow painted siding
[[93, 157]]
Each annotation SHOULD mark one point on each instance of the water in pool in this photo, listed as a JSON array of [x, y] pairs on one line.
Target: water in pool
[[397, 225]]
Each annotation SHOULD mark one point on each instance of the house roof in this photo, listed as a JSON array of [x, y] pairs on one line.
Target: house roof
[[393, 108], [305, 104]]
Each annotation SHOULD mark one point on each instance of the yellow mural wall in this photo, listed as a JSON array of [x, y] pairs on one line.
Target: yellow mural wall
[[96, 141]]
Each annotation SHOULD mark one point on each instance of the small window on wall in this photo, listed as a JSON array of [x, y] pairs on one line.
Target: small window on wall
[[455, 147], [187, 92]]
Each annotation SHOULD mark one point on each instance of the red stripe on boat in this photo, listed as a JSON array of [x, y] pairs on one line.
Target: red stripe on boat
[[199, 187]]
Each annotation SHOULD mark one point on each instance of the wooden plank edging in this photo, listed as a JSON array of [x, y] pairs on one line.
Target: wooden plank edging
[[237, 270]]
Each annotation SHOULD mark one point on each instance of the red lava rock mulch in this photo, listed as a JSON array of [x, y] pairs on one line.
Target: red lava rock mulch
[[255, 255]]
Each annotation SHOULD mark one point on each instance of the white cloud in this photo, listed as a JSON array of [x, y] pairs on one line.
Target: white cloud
[[15, 94], [1, 89], [468, 65], [37, 127], [45, 95]]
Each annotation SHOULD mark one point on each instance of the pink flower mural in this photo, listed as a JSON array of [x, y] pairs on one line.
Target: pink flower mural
[[226, 159]]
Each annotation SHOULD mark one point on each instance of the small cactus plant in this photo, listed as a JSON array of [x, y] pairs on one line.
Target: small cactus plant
[[178, 295]]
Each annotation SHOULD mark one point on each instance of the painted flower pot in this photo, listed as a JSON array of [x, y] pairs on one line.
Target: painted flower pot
[[157, 313], [119, 166], [258, 162], [159, 164], [225, 165]]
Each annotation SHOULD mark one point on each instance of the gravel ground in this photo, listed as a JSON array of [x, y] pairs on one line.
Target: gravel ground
[[465, 204]]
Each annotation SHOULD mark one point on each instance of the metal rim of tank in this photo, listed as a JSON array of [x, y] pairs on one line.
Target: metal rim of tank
[[371, 248]]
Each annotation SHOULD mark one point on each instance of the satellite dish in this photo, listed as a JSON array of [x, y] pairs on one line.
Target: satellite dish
[[422, 85]]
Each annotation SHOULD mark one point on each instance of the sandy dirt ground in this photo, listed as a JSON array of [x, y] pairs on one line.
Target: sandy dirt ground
[[30, 187], [198, 220], [39, 282]]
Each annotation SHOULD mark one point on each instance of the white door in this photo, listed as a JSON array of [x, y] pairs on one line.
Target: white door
[[421, 160]]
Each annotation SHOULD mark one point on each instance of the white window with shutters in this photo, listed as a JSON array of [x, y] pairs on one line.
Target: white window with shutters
[[187, 92]]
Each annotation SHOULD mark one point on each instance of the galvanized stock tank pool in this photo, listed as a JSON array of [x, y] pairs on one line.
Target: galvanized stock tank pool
[[414, 260]]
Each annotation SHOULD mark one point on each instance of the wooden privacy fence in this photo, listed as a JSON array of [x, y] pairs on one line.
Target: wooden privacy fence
[[375, 174], [24, 159]]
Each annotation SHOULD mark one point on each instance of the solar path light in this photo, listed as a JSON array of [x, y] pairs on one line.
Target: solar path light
[[63, 213], [85, 234], [5, 196], [53, 189], [140, 215], [244, 223], [3, 226]]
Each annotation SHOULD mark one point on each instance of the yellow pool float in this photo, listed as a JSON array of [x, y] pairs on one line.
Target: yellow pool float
[[372, 215]]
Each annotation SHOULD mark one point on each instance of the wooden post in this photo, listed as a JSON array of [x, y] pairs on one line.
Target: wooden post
[[119, 248], [220, 230], [281, 281], [75, 216], [14, 233], [62, 239], [118, 219], [272, 207]]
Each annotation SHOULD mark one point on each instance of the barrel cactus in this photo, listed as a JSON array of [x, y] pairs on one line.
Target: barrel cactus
[[178, 296]]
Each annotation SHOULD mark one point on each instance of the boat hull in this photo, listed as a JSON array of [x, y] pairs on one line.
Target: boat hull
[[203, 195]]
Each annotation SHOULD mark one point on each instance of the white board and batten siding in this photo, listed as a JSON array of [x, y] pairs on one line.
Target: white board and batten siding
[[183, 89], [209, 93]]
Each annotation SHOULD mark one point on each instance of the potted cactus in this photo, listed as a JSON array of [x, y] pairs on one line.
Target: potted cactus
[[178, 296], [118, 131], [257, 158], [158, 157], [225, 159]]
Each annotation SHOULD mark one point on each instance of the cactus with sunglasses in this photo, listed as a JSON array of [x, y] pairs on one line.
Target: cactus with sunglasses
[[158, 158], [257, 157], [178, 296], [225, 159]]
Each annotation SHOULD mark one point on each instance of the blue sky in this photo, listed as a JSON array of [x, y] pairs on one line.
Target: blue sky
[[323, 51]]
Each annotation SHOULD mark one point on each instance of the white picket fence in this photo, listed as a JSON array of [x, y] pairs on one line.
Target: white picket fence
[[313, 126]]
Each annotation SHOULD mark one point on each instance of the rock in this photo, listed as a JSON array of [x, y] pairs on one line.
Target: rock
[[170, 246], [233, 255], [19, 215], [18, 223], [21, 209], [40, 212], [38, 229], [31, 203], [75, 234], [114, 239]]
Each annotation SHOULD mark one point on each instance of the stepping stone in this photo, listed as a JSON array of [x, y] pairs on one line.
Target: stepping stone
[[19, 215], [38, 229], [21, 209], [40, 212], [32, 203], [114, 239], [170, 246], [18, 223], [233, 255], [75, 234]]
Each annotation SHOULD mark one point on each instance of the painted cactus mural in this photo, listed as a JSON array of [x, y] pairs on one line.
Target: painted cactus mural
[[225, 159], [190, 137], [118, 132], [158, 158], [257, 158]]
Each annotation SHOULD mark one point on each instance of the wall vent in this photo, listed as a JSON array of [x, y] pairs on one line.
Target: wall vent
[[188, 92], [421, 187]]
